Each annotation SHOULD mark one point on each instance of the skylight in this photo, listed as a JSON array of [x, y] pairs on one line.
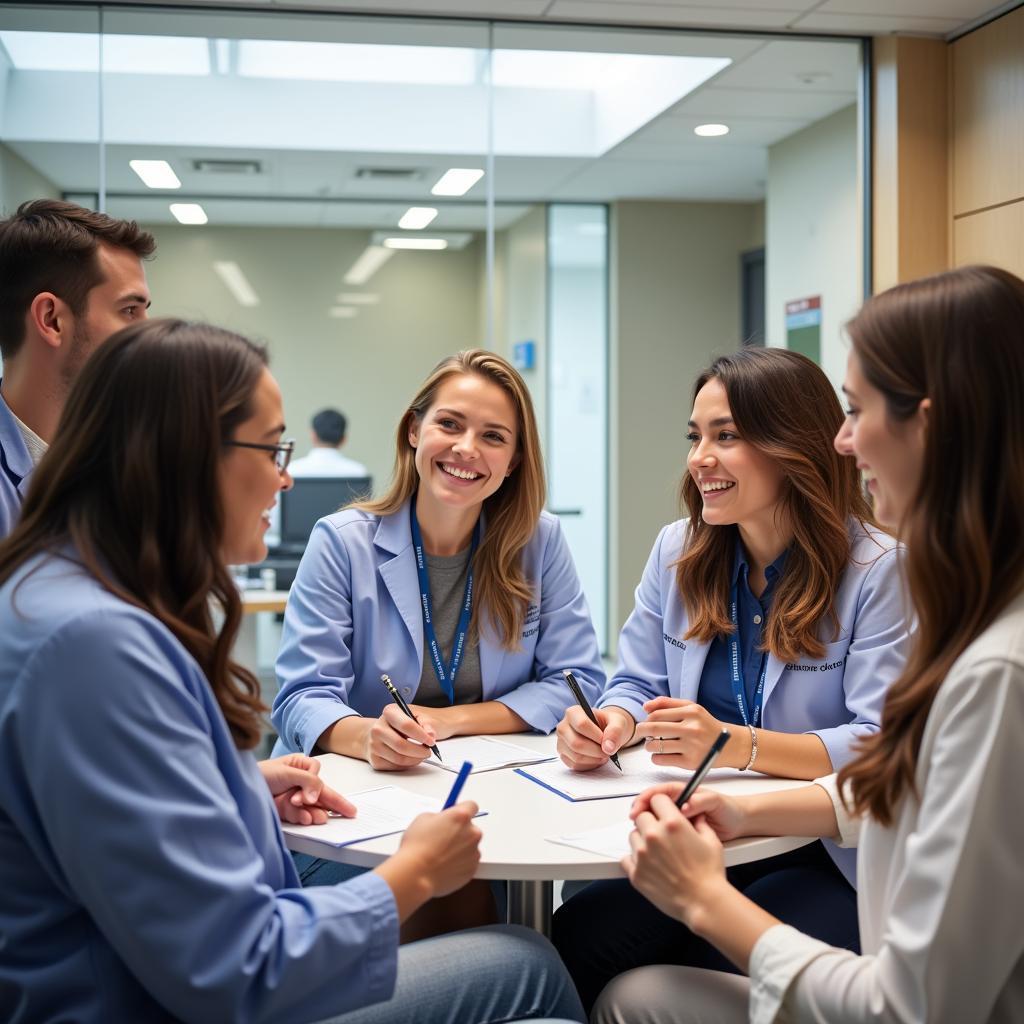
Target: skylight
[[136, 55], [357, 62]]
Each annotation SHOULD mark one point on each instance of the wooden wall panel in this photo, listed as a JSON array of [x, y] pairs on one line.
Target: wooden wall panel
[[991, 236], [987, 94]]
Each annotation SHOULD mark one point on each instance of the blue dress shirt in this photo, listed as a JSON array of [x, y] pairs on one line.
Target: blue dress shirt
[[715, 690], [143, 875], [15, 469]]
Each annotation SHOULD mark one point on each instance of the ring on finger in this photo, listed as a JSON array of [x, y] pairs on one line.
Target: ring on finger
[[661, 744]]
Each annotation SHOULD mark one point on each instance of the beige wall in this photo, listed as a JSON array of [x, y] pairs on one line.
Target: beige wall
[[987, 151], [369, 366], [675, 304], [813, 231], [20, 182]]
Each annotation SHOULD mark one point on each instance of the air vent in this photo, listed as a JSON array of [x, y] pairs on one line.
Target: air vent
[[388, 173], [227, 166]]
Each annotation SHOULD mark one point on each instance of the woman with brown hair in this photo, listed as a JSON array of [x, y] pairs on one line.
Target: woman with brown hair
[[773, 609], [143, 874], [455, 583], [936, 425]]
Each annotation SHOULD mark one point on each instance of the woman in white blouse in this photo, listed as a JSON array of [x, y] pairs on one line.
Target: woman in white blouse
[[935, 384]]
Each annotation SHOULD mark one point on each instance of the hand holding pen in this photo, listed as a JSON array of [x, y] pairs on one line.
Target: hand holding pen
[[578, 750], [398, 739]]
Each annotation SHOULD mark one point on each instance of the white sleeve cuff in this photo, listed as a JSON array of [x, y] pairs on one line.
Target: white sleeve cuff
[[849, 824]]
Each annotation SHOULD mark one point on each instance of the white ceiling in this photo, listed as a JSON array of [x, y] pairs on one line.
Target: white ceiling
[[845, 17], [773, 88]]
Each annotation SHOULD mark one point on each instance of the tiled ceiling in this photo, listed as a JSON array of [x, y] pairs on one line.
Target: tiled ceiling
[[841, 17]]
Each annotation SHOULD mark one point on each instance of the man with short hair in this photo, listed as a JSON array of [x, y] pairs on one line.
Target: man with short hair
[[69, 278], [325, 459]]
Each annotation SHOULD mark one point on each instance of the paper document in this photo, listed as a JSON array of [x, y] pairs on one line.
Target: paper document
[[611, 841], [607, 781], [382, 812], [485, 753]]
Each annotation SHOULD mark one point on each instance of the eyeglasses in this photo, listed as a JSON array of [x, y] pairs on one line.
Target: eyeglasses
[[282, 452]]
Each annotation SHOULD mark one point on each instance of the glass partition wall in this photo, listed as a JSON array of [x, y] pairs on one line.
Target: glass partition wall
[[368, 195]]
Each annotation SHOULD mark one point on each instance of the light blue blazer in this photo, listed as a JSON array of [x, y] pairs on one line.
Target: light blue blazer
[[15, 470], [838, 697], [354, 612]]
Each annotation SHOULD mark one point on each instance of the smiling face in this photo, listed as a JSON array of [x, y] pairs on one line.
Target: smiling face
[[249, 477], [465, 444], [889, 454], [738, 484]]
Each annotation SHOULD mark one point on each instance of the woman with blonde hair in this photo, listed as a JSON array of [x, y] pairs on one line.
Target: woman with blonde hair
[[774, 610], [455, 584], [932, 800]]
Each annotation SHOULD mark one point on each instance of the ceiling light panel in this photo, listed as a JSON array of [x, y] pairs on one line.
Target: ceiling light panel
[[370, 261], [236, 282], [188, 213], [417, 217], [457, 181], [155, 173], [342, 312], [710, 131], [416, 243]]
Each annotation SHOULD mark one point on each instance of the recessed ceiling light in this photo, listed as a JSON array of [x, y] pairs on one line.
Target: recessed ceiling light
[[457, 181], [417, 217], [370, 261], [710, 130], [189, 213], [155, 173], [237, 283], [342, 312], [359, 298], [416, 243]]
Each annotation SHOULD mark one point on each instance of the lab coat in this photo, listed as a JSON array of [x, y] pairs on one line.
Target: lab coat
[[354, 613], [15, 469]]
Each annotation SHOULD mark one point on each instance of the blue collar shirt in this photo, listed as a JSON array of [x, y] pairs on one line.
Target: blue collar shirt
[[715, 691], [15, 469]]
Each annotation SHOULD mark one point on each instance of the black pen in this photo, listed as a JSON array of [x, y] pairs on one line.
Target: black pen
[[705, 766], [581, 699], [397, 698]]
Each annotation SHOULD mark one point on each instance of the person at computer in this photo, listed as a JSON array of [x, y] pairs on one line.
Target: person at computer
[[145, 877], [329, 429], [774, 610], [329, 432], [507, 612], [936, 424]]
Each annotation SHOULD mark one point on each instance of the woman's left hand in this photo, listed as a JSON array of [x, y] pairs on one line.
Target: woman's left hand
[[678, 864], [300, 795], [680, 732]]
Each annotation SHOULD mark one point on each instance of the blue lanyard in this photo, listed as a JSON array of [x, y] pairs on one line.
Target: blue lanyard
[[736, 670], [446, 677]]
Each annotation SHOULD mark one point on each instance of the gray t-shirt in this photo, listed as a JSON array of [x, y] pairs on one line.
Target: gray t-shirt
[[447, 588]]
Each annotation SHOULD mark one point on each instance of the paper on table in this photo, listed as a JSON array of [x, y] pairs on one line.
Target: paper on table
[[610, 841], [607, 781], [485, 753], [382, 812]]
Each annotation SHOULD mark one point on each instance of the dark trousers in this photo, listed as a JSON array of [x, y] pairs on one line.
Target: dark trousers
[[609, 927]]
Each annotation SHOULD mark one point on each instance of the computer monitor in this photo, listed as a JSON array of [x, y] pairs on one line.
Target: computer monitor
[[311, 498]]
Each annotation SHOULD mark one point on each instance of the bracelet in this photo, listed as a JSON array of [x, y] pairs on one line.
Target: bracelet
[[753, 748]]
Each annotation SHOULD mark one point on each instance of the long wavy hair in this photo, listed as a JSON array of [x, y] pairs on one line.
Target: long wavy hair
[[512, 512], [131, 480], [956, 338], [783, 406]]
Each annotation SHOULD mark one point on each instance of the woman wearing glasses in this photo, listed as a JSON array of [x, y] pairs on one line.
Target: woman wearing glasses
[[932, 801], [144, 872]]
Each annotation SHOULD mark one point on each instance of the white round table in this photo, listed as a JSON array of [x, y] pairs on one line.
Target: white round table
[[520, 815]]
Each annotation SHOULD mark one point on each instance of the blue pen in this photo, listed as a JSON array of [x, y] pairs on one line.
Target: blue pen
[[460, 781]]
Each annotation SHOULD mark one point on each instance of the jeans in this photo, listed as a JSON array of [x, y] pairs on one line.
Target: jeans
[[609, 928], [481, 976]]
